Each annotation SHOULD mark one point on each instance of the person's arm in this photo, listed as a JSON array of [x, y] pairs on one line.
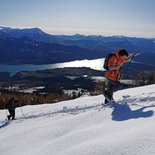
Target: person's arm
[[7, 105], [113, 65], [16, 103], [130, 57]]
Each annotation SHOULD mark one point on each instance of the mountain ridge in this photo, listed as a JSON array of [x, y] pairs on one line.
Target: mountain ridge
[[100, 45]]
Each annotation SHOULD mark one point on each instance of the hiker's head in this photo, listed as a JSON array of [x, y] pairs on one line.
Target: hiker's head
[[123, 52]]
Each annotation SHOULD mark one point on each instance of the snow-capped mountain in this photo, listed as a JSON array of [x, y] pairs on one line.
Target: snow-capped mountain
[[83, 126], [30, 33], [100, 45], [38, 35], [19, 32]]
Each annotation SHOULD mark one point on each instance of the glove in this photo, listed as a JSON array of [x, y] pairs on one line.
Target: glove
[[133, 55]]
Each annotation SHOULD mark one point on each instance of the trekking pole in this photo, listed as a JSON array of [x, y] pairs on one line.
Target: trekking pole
[[125, 70], [21, 109], [6, 112], [127, 66]]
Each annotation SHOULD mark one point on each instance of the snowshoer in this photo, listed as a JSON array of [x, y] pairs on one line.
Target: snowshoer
[[112, 65], [11, 105]]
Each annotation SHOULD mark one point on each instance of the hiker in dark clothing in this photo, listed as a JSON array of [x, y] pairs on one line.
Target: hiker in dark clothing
[[11, 105]]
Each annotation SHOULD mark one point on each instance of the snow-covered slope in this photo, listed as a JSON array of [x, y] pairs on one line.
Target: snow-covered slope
[[84, 127]]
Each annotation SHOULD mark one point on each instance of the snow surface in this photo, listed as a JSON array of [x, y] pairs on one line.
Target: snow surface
[[84, 127]]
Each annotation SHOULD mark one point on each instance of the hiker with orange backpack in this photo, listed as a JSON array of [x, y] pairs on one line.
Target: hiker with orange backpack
[[112, 64]]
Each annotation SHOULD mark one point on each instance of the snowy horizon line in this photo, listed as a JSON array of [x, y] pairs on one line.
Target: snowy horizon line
[[74, 34]]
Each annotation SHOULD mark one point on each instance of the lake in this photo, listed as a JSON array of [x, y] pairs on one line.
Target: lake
[[96, 64]]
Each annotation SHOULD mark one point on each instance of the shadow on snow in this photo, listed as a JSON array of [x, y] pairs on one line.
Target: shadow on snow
[[4, 124], [122, 112]]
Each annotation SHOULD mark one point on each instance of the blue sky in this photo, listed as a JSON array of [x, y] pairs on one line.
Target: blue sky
[[104, 17]]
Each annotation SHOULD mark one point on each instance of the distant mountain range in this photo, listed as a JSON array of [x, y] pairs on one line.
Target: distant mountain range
[[33, 46]]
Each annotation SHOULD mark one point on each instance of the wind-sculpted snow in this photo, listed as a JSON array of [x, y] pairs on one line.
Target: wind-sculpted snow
[[84, 126]]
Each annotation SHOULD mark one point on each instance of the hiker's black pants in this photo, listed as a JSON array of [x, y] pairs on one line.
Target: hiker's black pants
[[111, 87], [12, 114]]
